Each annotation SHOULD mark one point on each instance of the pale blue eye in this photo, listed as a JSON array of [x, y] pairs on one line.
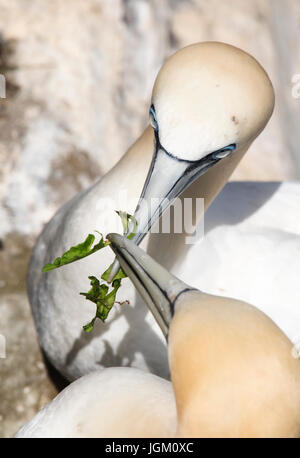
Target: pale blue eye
[[152, 118], [224, 152]]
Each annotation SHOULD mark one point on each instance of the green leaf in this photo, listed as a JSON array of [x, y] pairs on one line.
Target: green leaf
[[90, 326], [77, 252], [97, 290], [126, 219], [119, 275], [111, 297], [99, 293], [102, 297]]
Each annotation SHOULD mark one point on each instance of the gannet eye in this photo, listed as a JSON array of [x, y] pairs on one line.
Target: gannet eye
[[224, 152], [152, 118]]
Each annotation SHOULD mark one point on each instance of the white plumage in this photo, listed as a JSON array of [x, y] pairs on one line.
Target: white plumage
[[227, 94]]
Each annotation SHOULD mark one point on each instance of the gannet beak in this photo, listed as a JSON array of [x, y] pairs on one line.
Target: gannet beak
[[156, 285], [167, 178]]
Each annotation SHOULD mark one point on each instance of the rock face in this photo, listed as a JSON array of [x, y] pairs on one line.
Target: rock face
[[79, 76]]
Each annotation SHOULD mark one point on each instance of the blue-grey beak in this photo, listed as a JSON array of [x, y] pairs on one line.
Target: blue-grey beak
[[158, 287], [167, 178]]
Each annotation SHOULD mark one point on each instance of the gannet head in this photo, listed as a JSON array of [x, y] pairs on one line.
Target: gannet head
[[232, 368], [210, 101], [210, 97]]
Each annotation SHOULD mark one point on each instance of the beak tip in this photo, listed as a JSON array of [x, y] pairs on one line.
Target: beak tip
[[115, 239]]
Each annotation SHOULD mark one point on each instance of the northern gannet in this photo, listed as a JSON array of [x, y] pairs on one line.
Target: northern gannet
[[209, 103], [232, 369]]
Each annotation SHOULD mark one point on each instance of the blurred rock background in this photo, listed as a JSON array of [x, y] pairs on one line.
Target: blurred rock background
[[79, 76]]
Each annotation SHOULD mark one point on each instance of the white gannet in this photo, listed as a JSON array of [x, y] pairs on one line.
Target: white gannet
[[232, 369], [210, 101]]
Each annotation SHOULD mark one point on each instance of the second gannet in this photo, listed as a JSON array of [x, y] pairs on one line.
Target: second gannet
[[232, 369]]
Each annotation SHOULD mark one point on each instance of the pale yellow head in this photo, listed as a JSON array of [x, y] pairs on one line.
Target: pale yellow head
[[233, 370], [210, 95]]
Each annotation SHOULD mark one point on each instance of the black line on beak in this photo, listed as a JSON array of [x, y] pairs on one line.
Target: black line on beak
[[136, 273]]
